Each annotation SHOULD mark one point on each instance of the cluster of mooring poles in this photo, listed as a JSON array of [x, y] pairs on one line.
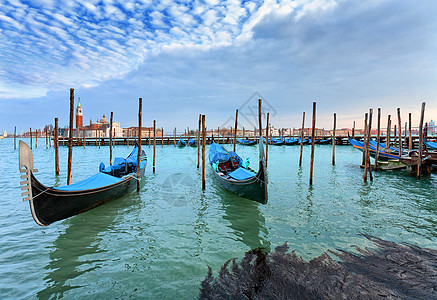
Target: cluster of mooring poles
[[403, 142]]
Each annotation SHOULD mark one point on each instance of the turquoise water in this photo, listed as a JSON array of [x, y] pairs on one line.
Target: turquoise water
[[158, 243]]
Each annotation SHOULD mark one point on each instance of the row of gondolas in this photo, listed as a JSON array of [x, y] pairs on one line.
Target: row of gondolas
[[391, 158], [51, 204]]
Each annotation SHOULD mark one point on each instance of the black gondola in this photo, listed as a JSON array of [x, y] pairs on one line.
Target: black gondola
[[51, 204], [228, 169], [246, 142], [192, 142], [291, 141], [181, 143]]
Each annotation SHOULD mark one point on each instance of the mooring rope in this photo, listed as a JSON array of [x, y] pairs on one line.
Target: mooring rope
[[41, 193]]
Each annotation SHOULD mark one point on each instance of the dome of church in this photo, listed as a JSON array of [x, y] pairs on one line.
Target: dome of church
[[104, 120]]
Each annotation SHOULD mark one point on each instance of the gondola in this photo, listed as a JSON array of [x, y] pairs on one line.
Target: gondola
[[323, 141], [229, 172], [246, 142], [392, 150], [275, 142], [291, 141], [192, 142], [305, 141], [51, 204], [181, 143], [382, 155], [429, 144], [412, 160]]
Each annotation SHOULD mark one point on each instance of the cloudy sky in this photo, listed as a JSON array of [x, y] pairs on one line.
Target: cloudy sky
[[189, 57]]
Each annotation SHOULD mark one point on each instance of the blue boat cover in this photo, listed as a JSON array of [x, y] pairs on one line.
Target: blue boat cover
[[96, 181], [220, 154], [182, 142], [245, 142], [102, 179], [432, 145], [191, 142], [381, 145], [241, 174], [291, 140]]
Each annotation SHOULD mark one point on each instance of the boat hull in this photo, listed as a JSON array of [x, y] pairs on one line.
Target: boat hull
[[50, 205], [254, 188]]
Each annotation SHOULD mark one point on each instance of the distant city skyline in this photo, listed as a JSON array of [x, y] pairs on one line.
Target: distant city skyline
[[211, 57]]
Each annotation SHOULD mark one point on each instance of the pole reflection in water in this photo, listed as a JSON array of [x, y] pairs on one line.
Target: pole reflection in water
[[78, 250]]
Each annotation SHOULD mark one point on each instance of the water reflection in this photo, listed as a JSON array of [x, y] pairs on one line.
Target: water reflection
[[74, 251], [201, 224], [246, 221]]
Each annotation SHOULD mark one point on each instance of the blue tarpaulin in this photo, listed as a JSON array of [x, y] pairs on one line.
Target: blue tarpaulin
[[218, 153], [432, 145], [96, 181], [103, 178], [241, 174]]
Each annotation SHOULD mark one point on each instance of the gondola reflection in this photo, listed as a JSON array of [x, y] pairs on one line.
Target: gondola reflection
[[246, 221], [78, 249]]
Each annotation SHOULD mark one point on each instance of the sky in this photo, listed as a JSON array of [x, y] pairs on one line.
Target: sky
[[186, 58]]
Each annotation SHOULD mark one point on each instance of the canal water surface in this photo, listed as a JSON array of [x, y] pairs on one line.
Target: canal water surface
[[160, 242]]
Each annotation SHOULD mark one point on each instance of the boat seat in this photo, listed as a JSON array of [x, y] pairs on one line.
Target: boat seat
[[225, 167], [235, 164]]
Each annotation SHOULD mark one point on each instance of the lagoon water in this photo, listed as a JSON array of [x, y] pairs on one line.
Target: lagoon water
[[158, 243]]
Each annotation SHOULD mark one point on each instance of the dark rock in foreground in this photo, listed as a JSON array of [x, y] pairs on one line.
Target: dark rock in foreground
[[391, 271]]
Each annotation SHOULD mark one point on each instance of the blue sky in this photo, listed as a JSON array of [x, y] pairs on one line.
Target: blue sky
[[189, 57]]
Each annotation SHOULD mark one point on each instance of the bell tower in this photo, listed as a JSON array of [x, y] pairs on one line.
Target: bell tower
[[79, 116]]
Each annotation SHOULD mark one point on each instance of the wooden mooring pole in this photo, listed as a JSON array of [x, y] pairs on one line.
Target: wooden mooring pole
[[400, 132], [267, 138], [110, 139], [203, 152], [47, 140], [313, 143], [174, 140], [410, 139], [378, 137], [367, 146], [198, 140], [405, 134], [154, 144], [353, 131], [235, 130], [333, 139], [259, 117], [70, 137], [15, 138], [140, 111], [36, 138], [30, 133], [366, 116], [419, 161], [301, 139], [56, 144]]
